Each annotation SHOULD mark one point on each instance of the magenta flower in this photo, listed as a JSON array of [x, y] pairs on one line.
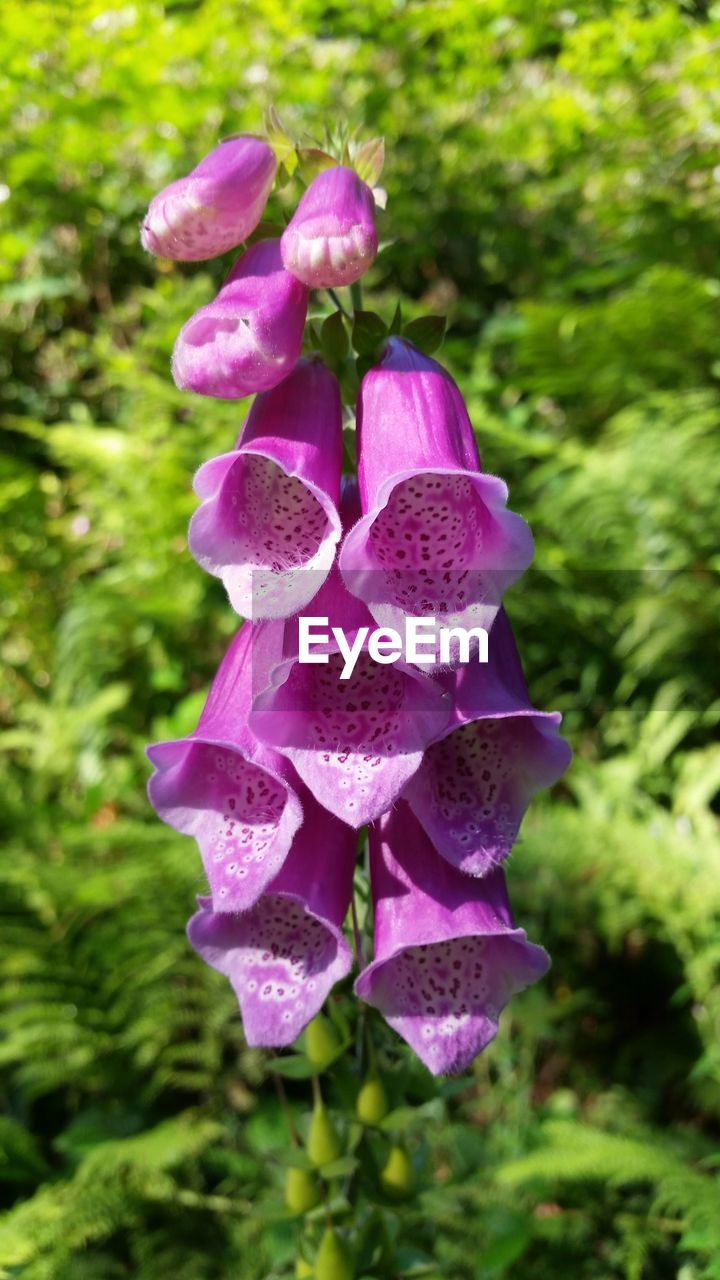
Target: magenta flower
[[269, 507], [447, 954], [250, 336], [331, 238], [283, 956], [474, 785], [214, 207], [355, 741], [219, 784], [435, 539]]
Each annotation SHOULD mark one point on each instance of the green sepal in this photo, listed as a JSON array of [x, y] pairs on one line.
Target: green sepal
[[426, 333], [369, 330], [369, 160], [340, 1168], [334, 340], [294, 1067], [311, 161]]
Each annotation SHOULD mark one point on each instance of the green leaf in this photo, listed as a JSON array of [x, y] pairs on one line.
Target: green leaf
[[334, 338], [295, 1067], [339, 1168], [369, 330], [426, 333]]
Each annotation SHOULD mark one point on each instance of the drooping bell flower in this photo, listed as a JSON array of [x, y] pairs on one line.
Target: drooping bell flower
[[250, 336], [474, 785], [447, 955], [435, 539], [214, 207], [284, 955], [354, 728], [268, 523], [235, 796], [331, 238]]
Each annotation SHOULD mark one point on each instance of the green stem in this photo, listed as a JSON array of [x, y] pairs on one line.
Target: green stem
[[356, 296], [332, 294]]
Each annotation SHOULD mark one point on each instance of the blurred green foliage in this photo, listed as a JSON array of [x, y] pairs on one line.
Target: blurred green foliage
[[554, 186]]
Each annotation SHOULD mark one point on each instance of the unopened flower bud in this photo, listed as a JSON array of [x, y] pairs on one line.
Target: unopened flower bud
[[333, 1260], [321, 1042], [323, 1144], [214, 207], [331, 238], [372, 1104], [302, 1190], [397, 1178], [249, 337]]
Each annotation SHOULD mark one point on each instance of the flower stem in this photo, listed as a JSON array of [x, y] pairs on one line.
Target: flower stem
[[356, 295], [332, 294]]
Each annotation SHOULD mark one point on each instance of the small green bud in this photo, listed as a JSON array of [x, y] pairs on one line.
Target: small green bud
[[333, 1261], [321, 1042], [302, 1190], [323, 1144], [372, 1105], [397, 1178], [303, 1268]]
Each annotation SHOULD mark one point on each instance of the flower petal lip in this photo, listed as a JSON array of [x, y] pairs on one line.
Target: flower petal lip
[[354, 742], [476, 781], [331, 238], [435, 538], [268, 524], [238, 799], [447, 955], [250, 336], [214, 207], [284, 955]]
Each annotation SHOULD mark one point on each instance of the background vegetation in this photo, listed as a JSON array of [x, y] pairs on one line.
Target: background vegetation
[[554, 185]]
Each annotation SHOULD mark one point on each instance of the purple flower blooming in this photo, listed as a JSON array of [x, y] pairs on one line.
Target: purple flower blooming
[[219, 784], [357, 741], [331, 238], [214, 207], [447, 954], [474, 785], [283, 956], [436, 539], [269, 507], [250, 336]]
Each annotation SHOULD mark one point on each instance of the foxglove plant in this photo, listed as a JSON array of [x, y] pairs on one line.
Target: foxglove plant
[[283, 955], [476, 781], [293, 754], [216, 206], [436, 539], [250, 336], [237, 797], [270, 507], [355, 742], [331, 238], [447, 954]]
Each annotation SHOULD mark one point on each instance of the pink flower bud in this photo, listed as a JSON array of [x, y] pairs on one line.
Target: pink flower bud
[[214, 207], [250, 336], [331, 238]]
